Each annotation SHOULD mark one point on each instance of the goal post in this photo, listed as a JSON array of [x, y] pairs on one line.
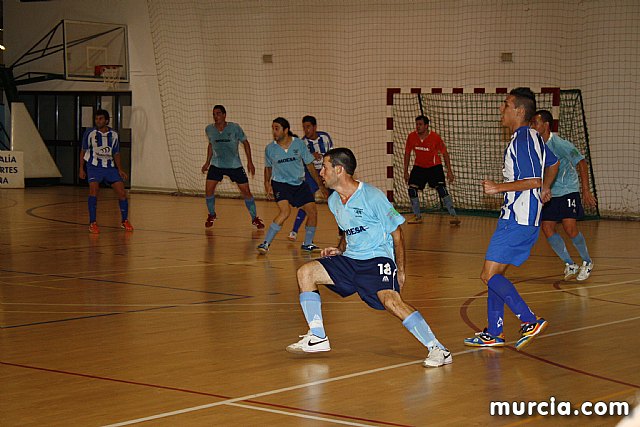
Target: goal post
[[469, 124]]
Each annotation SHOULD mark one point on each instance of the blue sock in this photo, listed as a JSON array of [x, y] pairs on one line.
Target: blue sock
[[415, 205], [416, 324], [271, 233], [558, 246], [299, 219], [310, 302], [251, 206], [211, 204], [447, 201], [93, 207], [124, 209], [505, 290], [495, 313], [309, 232], [581, 246]]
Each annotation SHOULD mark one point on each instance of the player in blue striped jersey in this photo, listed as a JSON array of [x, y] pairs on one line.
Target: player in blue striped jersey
[[101, 152], [369, 260], [565, 205], [319, 143], [529, 170], [286, 159]]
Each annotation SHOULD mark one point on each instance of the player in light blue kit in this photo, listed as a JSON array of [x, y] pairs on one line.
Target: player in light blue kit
[[101, 152], [529, 169], [565, 205], [319, 143], [369, 260], [223, 159], [285, 160]]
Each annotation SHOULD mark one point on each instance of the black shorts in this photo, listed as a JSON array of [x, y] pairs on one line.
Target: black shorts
[[420, 176], [559, 208], [237, 175], [366, 277], [296, 195]]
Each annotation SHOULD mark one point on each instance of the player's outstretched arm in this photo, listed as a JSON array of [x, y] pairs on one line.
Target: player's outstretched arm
[[588, 198], [267, 183], [247, 150], [447, 161], [398, 249], [207, 163]]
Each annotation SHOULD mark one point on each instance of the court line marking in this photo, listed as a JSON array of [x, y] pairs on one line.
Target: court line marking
[[340, 378], [293, 414]]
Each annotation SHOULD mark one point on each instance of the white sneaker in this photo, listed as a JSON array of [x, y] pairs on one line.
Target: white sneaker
[[438, 357], [293, 236], [570, 270], [309, 344], [585, 270]]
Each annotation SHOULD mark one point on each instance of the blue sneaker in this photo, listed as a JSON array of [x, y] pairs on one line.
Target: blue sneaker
[[310, 248], [263, 248], [485, 339], [530, 330]]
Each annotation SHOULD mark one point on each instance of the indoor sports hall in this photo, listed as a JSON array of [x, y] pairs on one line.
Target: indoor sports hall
[[176, 323]]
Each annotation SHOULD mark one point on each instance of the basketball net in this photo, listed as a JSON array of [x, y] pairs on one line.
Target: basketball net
[[111, 75]]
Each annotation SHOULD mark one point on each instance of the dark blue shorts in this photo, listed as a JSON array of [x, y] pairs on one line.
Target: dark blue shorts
[[559, 208], [296, 195], [511, 243], [364, 277], [313, 185], [100, 175], [237, 175], [419, 177]]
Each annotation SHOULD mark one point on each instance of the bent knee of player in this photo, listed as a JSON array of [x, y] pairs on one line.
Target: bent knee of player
[[310, 274]]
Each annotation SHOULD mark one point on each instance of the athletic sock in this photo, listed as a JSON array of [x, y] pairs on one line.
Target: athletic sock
[[299, 219], [415, 205], [211, 204], [558, 246], [310, 302], [271, 233], [416, 324], [447, 201], [124, 209], [93, 207], [251, 206], [495, 313], [309, 232], [581, 246], [505, 290]]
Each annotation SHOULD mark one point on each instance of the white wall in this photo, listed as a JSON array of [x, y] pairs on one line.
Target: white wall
[[26, 23]]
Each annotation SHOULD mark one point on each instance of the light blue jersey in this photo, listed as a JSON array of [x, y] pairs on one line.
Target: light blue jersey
[[225, 145], [287, 166], [567, 181], [99, 148], [525, 158], [368, 219]]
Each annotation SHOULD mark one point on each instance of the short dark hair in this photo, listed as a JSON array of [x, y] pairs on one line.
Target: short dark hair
[[424, 118], [219, 107], [546, 116], [526, 99], [103, 113], [310, 119], [344, 157]]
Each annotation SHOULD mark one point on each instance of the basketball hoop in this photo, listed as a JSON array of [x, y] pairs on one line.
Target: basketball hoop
[[110, 75]]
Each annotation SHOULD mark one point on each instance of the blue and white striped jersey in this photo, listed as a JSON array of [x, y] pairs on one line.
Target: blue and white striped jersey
[[525, 158], [99, 148], [321, 144]]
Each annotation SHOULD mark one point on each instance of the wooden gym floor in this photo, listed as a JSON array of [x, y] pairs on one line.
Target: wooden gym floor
[[177, 325]]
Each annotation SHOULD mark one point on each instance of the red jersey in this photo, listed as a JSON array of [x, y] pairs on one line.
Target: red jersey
[[426, 150]]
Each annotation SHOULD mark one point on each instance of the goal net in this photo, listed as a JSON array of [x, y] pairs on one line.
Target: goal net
[[469, 124]]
